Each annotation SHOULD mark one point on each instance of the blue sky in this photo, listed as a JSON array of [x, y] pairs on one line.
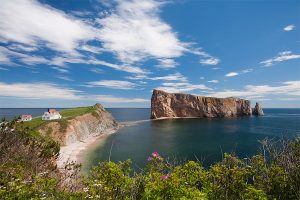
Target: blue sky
[[75, 53]]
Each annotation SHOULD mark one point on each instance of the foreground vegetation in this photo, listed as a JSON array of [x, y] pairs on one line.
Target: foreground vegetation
[[28, 171]]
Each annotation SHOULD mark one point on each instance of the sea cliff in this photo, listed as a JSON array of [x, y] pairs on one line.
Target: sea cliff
[[81, 127], [168, 105]]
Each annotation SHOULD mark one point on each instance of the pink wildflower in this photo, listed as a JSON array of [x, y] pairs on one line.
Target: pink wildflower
[[155, 154], [149, 158], [163, 178]]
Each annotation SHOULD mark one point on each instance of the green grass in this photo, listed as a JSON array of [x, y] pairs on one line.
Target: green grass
[[73, 112], [66, 114]]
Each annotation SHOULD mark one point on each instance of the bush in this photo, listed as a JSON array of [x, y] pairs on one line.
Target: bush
[[27, 172]]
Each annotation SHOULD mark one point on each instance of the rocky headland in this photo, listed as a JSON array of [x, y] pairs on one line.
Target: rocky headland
[[168, 105], [78, 133]]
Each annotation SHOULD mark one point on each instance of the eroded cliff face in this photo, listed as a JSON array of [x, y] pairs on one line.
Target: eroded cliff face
[[167, 105], [79, 128]]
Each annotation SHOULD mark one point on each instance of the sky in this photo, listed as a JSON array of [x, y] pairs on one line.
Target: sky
[[66, 53]]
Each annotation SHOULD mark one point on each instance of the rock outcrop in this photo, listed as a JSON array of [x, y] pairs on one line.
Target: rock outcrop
[[167, 105], [79, 128], [258, 111]]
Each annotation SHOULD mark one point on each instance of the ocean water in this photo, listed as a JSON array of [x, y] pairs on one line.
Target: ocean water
[[193, 139]]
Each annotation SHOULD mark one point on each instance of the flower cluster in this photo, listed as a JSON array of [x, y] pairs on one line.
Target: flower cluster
[[155, 156], [165, 177]]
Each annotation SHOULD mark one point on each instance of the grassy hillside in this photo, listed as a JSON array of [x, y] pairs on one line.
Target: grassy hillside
[[66, 114]]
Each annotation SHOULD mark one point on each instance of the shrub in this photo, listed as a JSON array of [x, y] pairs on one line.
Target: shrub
[[27, 172]]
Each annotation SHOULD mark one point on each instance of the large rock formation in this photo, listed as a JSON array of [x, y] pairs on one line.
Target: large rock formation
[[258, 111], [167, 105], [68, 131]]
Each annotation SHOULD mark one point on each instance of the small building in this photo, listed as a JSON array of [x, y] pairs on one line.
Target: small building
[[51, 114], [26, 118]]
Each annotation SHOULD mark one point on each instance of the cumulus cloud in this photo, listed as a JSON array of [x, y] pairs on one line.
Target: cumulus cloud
[[113, 84], [33, 23], [135, 32], [289, 27], [230, 74], [132, 30], [282, 56]]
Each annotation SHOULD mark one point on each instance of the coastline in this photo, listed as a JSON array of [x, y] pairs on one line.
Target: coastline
[[77, 152]]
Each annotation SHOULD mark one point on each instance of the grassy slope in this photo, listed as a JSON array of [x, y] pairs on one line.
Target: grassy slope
[[37, 122]]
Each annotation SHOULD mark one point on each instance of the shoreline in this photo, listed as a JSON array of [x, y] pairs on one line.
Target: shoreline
[[77, 151], [74, 152]]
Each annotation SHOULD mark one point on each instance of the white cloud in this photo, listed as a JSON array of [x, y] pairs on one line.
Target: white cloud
[[38, 91], [32, 23], [97, 71], [92, 49], [289, 27], [171, 77], [167, 63], [230, 74], [4, 69], [66, 78], [210, 61], [245, 71], [213, 81], [202, 77], [22, 47], [182, 87], [113, 84], [113, 99], [286, 88], [33, 60], [282, 56], [135, 32], [60, 69], [54, 92], [62, 60]]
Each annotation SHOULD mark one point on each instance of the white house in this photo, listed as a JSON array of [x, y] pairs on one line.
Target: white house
[[26, 118], [51, 114]]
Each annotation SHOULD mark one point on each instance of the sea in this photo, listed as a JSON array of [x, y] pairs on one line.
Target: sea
[[205, 140]]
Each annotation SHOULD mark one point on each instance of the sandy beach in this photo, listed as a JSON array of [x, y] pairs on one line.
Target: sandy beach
[[76, 152]]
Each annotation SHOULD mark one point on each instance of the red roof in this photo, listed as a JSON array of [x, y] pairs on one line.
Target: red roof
[[51, 110], [26, 116]]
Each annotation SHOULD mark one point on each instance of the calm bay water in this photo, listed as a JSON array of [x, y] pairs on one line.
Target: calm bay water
[[203, 139]]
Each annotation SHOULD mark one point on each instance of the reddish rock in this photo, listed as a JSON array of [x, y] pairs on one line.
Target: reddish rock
[[167, 105]]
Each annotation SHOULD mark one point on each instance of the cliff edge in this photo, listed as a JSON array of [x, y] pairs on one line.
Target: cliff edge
[[69, 130], [168, 105]]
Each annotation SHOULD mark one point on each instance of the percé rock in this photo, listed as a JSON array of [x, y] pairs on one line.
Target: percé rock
[[258, 111], [81, 127], [168, 105]]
